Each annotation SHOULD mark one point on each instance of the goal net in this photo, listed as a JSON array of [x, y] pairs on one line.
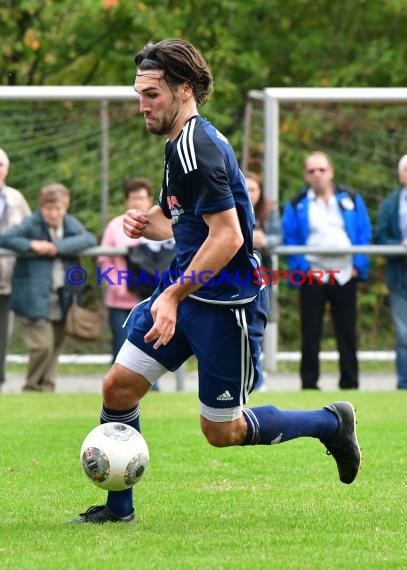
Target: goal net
[[363, 132], [91, 146]]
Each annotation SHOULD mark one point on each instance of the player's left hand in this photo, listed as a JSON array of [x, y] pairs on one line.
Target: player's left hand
[[164, 313]]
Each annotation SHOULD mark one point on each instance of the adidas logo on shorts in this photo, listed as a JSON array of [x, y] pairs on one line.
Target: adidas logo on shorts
[[226, 396]]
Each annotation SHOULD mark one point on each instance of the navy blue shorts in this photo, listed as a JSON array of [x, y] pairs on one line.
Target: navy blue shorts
[[226, 341]]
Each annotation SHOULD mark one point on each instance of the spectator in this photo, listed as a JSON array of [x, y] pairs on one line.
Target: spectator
[[267, 231], [40, 294], [13, 210], [266, 236], [329, 215], [118, 299], [392, 230]]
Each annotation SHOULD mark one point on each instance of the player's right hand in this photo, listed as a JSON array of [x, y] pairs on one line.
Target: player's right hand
[[164, 313], [134, 223]]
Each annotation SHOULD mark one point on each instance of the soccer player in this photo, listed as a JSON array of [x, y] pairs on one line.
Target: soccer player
[[209, 307]]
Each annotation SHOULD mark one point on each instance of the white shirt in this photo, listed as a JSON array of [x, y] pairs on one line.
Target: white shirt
[[403, 213], [58, 278], [327, 230], [58, 274], [2, 202]]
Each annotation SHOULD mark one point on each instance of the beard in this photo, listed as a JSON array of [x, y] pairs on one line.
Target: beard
[[157, 129], [164, 126]]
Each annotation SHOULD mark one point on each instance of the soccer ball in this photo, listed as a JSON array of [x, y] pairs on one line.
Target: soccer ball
[[114, 456]]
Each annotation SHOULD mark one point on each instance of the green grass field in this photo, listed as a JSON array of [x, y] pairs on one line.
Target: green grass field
[[279, 507]]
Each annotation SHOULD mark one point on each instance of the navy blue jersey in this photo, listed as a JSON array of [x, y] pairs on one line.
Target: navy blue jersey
[[202, 176]]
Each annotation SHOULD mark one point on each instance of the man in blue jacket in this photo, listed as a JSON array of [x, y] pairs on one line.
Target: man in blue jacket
[[327, 215], [392, 230]]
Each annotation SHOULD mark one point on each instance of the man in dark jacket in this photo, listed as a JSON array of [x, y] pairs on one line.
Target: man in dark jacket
[[328, 215], [41, 294], [392, 230]]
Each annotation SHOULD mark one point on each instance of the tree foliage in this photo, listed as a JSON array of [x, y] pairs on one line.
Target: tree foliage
[[249, 44]]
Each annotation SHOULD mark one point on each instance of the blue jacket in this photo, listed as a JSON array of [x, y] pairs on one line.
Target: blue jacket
[[295, 224], [32, 275], [388, 233]]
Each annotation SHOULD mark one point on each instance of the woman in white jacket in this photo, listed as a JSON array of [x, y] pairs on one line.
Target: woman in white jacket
[[13, 210]]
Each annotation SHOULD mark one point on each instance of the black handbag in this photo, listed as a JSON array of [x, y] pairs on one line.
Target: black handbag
[[146, 267]]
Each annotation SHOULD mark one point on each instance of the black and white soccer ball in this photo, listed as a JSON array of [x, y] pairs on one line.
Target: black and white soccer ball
[[114, 456]]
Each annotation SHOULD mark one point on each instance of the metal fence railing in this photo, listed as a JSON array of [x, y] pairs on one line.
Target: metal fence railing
[[281, 250], [271, 345]]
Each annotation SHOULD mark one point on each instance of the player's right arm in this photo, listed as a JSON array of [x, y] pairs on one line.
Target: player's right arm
[[151, 225]]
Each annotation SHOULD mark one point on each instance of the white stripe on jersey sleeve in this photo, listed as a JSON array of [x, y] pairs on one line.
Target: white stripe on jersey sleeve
[[186, 149], [191, 144], [179, 150]]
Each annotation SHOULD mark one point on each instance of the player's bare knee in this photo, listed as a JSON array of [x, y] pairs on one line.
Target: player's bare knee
[[109, 387], [123, 388], [116, 389], [216, 439], [222, 434]]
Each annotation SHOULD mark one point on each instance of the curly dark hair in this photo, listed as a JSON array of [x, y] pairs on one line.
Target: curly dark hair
[[181, 62]]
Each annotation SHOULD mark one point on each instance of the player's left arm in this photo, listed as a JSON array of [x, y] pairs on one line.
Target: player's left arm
[[222, 243]]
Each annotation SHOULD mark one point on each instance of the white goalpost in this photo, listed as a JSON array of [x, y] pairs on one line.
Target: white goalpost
[[271, 99]]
